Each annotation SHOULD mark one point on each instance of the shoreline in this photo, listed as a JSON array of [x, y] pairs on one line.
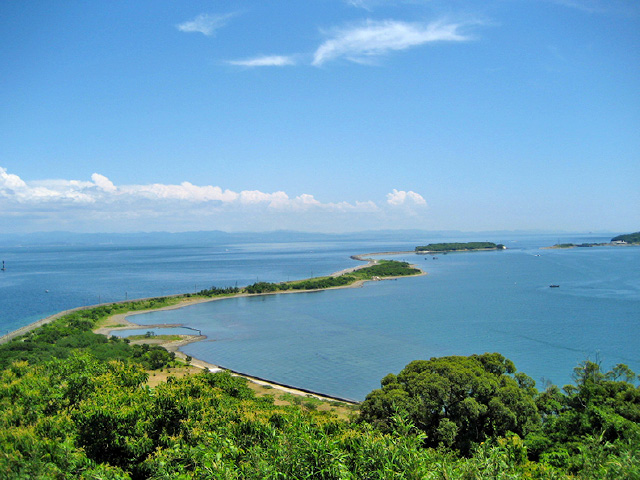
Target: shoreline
[[174, 346], [120, 321]]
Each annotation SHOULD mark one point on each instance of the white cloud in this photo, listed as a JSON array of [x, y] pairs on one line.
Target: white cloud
[[307, 199], [265, 61], [374, 38], [185, 191], [9, 181], [103, 182], [205, 23], [253, 197], [98, 203], [400, 197]]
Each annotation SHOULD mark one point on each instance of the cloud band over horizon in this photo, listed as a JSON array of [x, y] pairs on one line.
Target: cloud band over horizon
[[100, 196]]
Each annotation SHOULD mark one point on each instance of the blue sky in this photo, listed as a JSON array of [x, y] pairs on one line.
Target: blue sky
[[326, 115]]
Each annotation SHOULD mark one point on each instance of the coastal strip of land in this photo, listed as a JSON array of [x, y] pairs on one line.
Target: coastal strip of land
[[122, 320]]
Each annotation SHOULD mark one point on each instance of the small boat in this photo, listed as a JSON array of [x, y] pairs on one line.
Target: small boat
[[3, 267], [554, 286]]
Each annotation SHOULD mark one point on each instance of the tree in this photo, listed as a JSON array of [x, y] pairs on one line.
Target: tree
[[457, 401]]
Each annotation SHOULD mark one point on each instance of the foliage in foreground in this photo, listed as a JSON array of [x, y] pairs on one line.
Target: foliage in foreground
[[457, 402], [81, 418], [588, 429], [84, 418]]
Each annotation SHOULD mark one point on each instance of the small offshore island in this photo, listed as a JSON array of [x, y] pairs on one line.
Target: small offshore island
[[459, 247]]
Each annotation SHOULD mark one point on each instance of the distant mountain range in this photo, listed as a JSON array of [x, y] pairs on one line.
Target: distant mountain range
[[217, 236]]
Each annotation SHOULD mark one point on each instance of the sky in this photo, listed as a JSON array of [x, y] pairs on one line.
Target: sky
[[320, 115]]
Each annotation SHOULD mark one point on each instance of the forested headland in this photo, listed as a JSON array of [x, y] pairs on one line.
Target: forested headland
[[628, 237]]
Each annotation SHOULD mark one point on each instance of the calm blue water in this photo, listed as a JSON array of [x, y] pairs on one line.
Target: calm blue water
[[43, 280], [342, 342]]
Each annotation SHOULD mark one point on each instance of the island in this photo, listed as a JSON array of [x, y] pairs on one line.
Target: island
[[626, 239], [459, 247], [632, 238]]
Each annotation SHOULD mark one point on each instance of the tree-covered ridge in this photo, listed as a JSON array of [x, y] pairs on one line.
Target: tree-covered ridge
[[385, 268], [456, 247], [85, 418], [628, 237]]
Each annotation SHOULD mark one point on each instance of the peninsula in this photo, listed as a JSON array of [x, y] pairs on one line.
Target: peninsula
[[89, 329]]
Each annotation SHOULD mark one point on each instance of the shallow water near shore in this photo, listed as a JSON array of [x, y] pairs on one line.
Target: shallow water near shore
[[342, 342]]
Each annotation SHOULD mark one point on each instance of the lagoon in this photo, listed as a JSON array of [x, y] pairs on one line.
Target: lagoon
[[342, 342]]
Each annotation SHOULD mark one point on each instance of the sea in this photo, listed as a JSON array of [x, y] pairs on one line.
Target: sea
[[343, 342]]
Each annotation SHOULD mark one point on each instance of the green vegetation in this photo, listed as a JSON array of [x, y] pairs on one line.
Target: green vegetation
[[459, 247], [74, 404], [73, 333], [81, 417], [385, 268], [591, 429], [572, 245], [629, 238], [457, 402], [216, 292]]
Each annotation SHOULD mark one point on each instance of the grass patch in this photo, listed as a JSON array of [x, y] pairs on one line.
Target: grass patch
[[164, 338]]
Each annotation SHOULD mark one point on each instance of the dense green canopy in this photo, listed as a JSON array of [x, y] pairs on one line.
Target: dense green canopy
[[457, 401]]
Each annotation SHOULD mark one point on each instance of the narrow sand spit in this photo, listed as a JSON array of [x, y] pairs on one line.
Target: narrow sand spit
[[122, 321]]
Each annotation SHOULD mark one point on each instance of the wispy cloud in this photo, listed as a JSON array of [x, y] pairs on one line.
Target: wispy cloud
[[589, 6], [623, 7], [359, 3], [362, 42], [265, 61], [205, 23]]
